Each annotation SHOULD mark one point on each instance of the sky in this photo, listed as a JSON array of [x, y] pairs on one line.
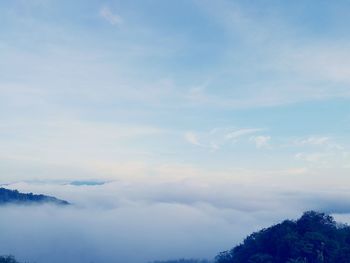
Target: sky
[[234, 108]]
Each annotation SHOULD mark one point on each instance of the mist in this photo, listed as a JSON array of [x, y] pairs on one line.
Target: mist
[[141, 222]]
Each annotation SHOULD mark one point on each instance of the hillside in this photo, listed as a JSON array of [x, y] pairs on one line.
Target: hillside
[[8, 259], [14, 197], [314, 238]]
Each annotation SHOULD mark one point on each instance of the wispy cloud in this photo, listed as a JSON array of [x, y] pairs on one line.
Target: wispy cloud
[[239, 133], [108, 222], [113, 18], [261, 141], [313, 140], [320, 151], [307, 68], [313, 157], [318, 141], [192, 138], [218, 137]]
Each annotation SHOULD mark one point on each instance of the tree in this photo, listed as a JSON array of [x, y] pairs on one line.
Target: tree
[[313, 238], [7, 259]]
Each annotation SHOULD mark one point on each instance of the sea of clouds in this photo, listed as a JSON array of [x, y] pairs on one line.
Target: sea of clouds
[[138, 222]]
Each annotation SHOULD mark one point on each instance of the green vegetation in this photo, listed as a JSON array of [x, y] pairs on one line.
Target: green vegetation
[[14, 197], [314, 238], [183, 261], [8, 259]]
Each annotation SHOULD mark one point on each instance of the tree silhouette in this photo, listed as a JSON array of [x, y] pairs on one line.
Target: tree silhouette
[[7, 259], [313, 238]]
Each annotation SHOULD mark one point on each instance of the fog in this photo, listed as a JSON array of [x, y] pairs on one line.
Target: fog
[[140, 222]]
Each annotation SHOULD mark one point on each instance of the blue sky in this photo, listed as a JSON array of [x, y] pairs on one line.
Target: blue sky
[[206, 120], [94, 89]]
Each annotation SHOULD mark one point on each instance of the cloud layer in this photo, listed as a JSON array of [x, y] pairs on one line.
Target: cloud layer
[[140, 222], [208, 120]]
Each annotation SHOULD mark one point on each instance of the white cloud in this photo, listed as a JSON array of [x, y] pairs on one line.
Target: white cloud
[[320, 151], [261, 141], [318, 141], [107, 223], [329, 61], [238, 133], [112, 18], [218, 137], [303, 68], [312, 157], [192, 138], [314, 140]]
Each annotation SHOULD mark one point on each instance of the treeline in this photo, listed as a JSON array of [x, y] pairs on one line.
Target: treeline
[[13, 196], [314, 238], [8, 259], [183, 260], [11, 259]]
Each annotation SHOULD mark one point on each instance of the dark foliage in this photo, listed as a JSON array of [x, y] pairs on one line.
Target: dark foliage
[[314, 238], [8, 259], [13, 196], [183, 261]]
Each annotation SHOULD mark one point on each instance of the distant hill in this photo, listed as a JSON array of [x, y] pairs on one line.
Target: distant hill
[[87, 183], [314, 238], [14, 197]]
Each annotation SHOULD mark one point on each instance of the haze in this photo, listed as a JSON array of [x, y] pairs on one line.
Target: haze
[[174, 127]]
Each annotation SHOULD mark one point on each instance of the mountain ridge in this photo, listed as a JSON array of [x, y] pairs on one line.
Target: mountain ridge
[[314, 238], [8, 196]]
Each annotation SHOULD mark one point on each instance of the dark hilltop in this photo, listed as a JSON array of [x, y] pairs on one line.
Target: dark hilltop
[[15, 197]]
